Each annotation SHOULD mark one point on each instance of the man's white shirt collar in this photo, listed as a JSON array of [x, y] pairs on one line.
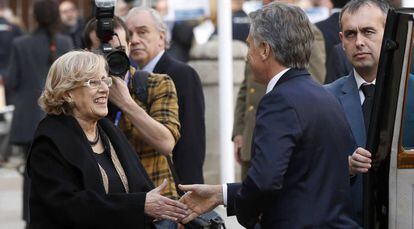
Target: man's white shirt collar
[[274, 80], [151, 65]]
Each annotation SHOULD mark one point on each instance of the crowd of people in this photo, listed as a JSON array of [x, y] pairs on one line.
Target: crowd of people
[[99, 147]]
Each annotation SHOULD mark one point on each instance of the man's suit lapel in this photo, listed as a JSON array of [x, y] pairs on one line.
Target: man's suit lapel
[[351, 103], [161, 66]]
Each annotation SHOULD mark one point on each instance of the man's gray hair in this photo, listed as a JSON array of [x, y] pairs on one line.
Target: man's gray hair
[[158, 21], [354, 5], [287, 30]]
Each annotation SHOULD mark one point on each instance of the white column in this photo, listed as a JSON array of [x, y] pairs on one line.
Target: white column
[[225, 90]]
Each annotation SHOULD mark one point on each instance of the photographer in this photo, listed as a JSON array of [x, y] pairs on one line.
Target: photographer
[[151, 126]]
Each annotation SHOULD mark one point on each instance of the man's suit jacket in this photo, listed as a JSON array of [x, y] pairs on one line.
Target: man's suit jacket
[[299, 170], [337, 65], [346, 91], [330, 30], [189, 152], [28, 68], [67, 190]]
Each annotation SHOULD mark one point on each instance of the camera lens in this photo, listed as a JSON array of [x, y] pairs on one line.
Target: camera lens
[[118, 63]]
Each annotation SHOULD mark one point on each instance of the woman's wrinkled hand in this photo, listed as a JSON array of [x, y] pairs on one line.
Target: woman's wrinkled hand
[[160, 207]]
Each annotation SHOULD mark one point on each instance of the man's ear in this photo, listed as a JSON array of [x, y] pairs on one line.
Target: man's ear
[[341, 36], [265, 50], [162, 37]]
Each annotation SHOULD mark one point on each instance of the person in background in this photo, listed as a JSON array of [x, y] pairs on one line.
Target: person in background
[[147, 49], [8, 31], [336, 63], [179, 34], [30, 60], [95, 180], [72, 23], [362, 24], [240, 21], [121, 9]]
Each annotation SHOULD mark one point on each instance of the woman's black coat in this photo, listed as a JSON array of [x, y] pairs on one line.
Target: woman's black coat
[[66, 184]]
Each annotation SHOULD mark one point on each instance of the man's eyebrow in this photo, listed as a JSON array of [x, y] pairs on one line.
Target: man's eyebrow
[[141, 27]]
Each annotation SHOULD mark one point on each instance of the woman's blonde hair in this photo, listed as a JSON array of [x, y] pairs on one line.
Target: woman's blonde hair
[[68, 72]]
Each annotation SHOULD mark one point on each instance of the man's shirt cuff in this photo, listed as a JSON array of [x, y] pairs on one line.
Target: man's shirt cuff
[[224, 188]]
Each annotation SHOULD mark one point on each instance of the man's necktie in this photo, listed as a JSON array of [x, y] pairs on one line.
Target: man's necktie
[[368, 90]]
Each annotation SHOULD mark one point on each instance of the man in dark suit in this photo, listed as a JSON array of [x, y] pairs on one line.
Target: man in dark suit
[[362, 28], [337, 65], [148, 50], [330, 30], [299, 173], [330, 26]]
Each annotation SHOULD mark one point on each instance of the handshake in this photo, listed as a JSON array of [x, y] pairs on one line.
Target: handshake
[[198, 199]]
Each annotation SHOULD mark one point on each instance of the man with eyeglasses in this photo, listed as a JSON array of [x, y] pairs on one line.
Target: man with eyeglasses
[[152, 126]]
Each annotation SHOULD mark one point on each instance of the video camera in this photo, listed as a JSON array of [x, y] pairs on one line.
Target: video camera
[[118, 61]]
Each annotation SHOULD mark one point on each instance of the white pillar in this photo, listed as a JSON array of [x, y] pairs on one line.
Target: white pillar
[[225, 90]]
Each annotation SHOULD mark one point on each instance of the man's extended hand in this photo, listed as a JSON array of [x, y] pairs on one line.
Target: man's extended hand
[[360, 161], [201, 198], [161, 207], [238, 143]]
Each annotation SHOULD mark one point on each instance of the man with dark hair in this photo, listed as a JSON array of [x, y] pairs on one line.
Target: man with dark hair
[[92, 42], [362, 25], [72, 23], [336, 64], [299, 174], [330, 26]]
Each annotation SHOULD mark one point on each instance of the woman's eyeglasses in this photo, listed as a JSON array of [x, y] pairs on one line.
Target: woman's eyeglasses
[[96, 83]]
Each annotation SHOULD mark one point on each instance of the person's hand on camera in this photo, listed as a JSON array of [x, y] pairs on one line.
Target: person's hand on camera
[[160, 207], [119, 93]]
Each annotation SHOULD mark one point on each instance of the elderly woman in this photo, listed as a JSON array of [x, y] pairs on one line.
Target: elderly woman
[[84, 173]]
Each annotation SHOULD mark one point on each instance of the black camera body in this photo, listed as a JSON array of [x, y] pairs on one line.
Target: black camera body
[[118, 61]]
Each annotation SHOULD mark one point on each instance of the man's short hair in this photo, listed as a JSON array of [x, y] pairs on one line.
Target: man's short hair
[[92, 26], [354, 5], [287, 30]]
